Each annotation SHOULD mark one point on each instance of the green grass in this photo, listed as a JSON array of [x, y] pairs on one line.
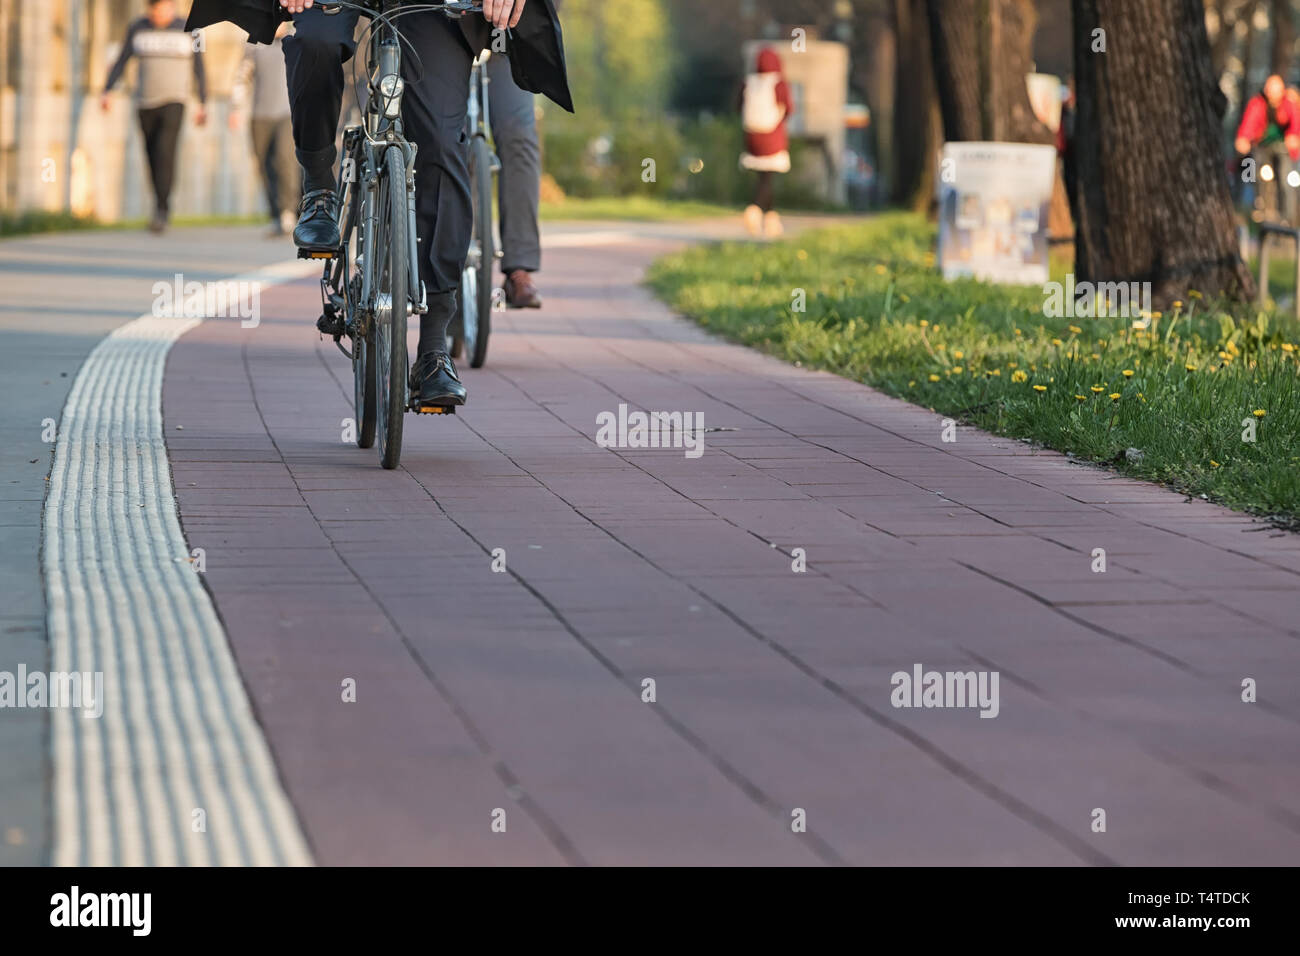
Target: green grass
[[877, 311], [31, 223], [34, 221], [638, 208]]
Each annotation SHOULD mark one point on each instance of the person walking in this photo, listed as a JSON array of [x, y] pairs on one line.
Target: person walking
[[765, 104], [261, 88], [168, 55]]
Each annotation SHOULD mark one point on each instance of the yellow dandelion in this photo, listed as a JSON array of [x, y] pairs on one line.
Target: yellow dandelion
[[912, 384], [997, 372], [1190, 367], [1082, 398], [1098, 389], [1075, 329], [1288, 347], [1040, 388], [881, 270], [925, 323], [1056, 341], [1127, 373], [904, 297], [1178, 304], [1213, 463], [1013, 365], [956, 370], [1114, 396], [1019, 377], [1194, 294], [934, 378], [1143, 397], [1018, 332], [957, 353], [1259, 413], [802, 254]]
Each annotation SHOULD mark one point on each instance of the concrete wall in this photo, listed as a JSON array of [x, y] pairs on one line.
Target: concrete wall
[[58, 151]]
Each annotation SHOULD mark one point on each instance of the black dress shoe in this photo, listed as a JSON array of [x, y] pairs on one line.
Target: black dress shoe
[[434, 380], [318, 222]]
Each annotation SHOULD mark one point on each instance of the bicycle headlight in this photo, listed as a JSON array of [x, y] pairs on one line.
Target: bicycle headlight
[[390, 88]]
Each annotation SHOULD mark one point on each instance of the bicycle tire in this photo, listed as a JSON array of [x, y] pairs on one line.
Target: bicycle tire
[[392, 242], [363, 352], [481, 174]]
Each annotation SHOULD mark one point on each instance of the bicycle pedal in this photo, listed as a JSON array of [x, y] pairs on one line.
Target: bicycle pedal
[[316, 254], [434, 409]]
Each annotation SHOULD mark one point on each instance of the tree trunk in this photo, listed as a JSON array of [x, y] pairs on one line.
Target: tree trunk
[[877, 74], [983, 50], [916, 135], [957, 33], [1283, 37], [1153, 198]]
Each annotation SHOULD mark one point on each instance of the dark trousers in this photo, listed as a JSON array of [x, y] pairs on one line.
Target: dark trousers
[[433, 116], [161, 127], [273, 147], [514, 130]]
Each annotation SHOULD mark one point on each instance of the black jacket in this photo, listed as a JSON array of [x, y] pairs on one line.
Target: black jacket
[[535, 46]]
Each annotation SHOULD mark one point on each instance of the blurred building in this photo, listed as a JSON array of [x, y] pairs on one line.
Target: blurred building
[[58, 151]]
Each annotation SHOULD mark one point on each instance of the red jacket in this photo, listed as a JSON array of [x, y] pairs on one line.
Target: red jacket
[[1258, 115], [769, 144]]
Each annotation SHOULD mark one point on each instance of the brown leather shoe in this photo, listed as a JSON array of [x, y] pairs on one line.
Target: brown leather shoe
[[520, 291]]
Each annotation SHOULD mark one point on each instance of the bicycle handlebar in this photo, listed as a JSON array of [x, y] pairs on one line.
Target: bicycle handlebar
[[372, 8]]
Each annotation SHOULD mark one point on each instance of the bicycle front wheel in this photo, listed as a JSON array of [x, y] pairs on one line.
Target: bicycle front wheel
[[392, 246]]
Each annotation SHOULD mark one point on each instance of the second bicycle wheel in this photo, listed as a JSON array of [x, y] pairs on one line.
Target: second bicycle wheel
[[476, 288], [392, 248]]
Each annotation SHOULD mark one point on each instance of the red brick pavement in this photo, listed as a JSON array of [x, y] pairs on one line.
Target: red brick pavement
[[522, 690]]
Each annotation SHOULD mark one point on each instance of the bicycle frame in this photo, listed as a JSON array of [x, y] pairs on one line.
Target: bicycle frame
[[364, 146]]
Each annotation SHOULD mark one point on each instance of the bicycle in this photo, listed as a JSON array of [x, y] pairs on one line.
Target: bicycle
[[477, 296], [372, 279]]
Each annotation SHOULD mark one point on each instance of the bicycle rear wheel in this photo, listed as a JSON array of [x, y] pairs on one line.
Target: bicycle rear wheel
[[476, 286], [392, 245]]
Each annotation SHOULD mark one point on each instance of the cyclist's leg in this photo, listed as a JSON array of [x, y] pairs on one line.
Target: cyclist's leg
[[1286, 192], [313, 60], [514, 128], [433, 108]]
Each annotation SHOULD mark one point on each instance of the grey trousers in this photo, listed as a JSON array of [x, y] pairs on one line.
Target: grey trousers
[[514, 129], [277, 164]]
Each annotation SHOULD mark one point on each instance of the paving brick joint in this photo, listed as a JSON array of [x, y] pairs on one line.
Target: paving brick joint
[[829, 638]]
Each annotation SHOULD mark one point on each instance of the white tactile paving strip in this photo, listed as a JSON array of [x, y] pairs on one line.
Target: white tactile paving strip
[[176, 770]]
